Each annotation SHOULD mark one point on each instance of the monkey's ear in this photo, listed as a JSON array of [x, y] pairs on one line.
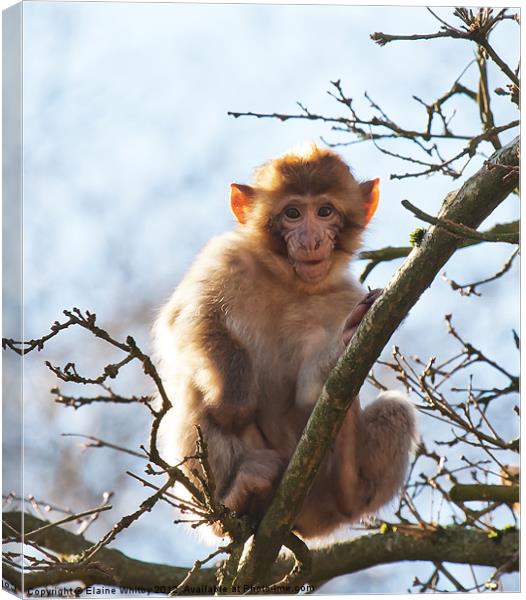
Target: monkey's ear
[[241, 197], [371, 194]]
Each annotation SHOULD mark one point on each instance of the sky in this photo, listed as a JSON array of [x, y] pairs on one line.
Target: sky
[[128, 156]]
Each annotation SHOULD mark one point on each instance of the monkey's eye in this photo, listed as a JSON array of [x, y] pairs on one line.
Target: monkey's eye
[[325, 211], [292, 213]]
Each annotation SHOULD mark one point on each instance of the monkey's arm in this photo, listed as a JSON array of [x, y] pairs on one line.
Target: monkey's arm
[[223, 373], [214, 386], [314, 369], [246, 469], [323, 347]]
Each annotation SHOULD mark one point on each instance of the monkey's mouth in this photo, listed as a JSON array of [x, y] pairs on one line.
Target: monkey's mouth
[[312, 271], [311, 263]]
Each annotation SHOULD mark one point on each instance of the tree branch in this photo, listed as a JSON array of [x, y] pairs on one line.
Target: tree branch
[[452, 544], [478, 26], [477, 198], [484, 493]]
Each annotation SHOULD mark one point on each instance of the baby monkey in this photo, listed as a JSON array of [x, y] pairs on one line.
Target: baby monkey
[[250, 334]]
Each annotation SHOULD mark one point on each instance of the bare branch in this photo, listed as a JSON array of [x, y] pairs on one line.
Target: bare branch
[[68, 519], [478, 493], [471, 288], [98, 443], [477, 29]]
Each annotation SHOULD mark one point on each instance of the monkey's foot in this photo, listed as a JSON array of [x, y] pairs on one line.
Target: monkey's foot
[[358, 313], [254, 483]]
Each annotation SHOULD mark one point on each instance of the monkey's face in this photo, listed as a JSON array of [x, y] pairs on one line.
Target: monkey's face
[[309, 226], [305, 210]]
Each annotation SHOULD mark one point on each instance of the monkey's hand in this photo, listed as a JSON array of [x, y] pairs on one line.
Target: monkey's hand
[[358, 313]]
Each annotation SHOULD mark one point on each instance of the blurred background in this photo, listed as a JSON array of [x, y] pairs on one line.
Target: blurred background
[[128, 157]]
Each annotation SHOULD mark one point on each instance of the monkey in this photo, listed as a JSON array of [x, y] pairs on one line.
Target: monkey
[[252, 331]]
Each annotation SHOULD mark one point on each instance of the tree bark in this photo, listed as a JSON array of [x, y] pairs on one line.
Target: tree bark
[[484, 493]]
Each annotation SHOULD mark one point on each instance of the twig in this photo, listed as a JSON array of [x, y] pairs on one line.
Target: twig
[[126, 521], [454, 544], [440, 567], [181, 588], [484, 99], [395, 252], [471, 288], [178, 502], [472, 351], [79, 401], [98, 443], [8, 498], [68, 519]]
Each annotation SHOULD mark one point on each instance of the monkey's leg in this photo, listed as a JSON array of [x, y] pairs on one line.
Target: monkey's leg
[[374, 448], [366, 468], [246, 470]]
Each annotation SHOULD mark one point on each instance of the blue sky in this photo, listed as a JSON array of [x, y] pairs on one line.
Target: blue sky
[[125, 123], [129, 152]]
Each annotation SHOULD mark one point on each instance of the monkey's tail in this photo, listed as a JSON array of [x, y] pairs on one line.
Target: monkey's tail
[[390, 439]]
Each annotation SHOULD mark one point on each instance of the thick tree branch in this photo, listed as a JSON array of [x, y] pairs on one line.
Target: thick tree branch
[[484, 493], [453, 544], [477, 199]]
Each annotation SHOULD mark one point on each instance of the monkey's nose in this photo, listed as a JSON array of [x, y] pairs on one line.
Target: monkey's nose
[[312, 245]]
